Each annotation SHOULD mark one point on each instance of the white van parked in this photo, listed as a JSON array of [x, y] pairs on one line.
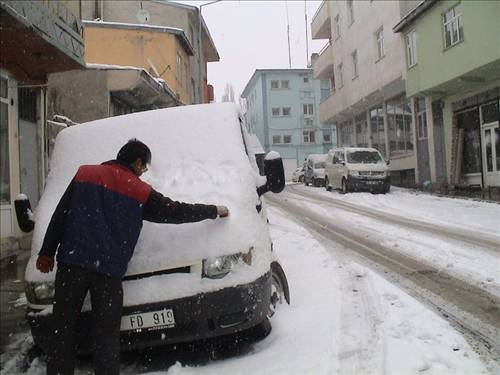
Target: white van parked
[[213, 278], [357, 169], [314, 172]]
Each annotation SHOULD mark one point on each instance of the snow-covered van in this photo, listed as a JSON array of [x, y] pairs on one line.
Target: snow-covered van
[[355, 169], [314, 170], [188, 281]]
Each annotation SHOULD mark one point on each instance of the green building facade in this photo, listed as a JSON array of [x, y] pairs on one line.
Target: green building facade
[[452, 53]]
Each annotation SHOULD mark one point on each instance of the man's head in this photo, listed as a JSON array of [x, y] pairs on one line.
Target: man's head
[[135, 154]]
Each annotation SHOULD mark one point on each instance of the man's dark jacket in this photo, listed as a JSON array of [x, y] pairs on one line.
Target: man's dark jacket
[[98, 219]]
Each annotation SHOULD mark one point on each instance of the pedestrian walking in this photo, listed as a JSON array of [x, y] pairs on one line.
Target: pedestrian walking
[[94, 230]]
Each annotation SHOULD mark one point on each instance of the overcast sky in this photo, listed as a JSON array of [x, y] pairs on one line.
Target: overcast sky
[[252, 35]]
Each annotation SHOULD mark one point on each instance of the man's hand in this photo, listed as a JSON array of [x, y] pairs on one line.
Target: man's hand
[[222, 211], [45, 263]]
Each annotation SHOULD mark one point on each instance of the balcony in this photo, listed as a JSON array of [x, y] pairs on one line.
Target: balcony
[[330, 109], [323, 66], [50, 35], [321, 22]]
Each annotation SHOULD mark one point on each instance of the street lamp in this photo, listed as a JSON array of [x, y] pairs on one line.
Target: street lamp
[[199, 48]]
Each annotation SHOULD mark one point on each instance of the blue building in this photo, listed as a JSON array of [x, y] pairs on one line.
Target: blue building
[[283, 111]]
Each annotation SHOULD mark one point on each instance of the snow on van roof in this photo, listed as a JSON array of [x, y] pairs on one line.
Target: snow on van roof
[[198, 156], [317, 157]]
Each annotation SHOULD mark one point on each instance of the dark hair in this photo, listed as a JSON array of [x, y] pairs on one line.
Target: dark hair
[[133, 150]]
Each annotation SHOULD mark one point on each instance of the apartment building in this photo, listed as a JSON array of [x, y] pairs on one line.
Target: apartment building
[[283, 112], [37, 38], [163, 52], [364, 63], [149, 15], [452, 60]]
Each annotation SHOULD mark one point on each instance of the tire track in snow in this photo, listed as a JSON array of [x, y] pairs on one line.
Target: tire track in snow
[[471, 310], [461, 234]]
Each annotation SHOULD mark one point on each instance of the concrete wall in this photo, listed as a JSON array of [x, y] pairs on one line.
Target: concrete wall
[[480, 45], [140, 48], [80, 95]]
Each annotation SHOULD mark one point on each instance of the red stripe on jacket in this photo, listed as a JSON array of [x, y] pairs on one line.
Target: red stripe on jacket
[[116, 178]]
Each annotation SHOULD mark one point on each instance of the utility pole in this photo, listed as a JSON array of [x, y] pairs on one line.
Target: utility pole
[[200, 84], [288, 36], [307, 37]]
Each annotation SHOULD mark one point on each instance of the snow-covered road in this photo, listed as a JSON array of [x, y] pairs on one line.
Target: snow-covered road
[[361, 287]]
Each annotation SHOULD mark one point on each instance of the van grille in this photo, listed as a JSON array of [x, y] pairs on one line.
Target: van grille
[[139, 276], [371, 173]]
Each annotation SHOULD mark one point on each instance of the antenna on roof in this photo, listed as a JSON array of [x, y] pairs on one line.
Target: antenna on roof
[[288, 35], [307, 37]]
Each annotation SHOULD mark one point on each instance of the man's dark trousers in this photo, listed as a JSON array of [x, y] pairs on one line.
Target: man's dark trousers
[[106, 295]]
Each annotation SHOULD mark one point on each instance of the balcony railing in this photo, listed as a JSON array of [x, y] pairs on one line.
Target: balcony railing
[[323, 66]]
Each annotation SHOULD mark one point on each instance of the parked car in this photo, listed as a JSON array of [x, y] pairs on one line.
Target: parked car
[[357, 169], [185, 282], [298, 175], [314, 172]]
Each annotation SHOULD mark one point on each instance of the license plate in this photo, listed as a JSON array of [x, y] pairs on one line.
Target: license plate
[[148, 321]]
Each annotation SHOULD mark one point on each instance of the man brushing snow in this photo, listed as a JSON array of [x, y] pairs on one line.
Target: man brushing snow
[[94, 229]]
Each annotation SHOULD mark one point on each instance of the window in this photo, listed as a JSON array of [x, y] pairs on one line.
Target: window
[[340, 79], [285, 84], [411, 48], [275, 84], [327, 138], [276, 111], [178, 68], [308, 136], [287, 111], [379, 36], [377, 126], [453, 26], [347, 133], [421, 118], [308, 109], [306, 79], [287, 139], [399, 125], [4, 143], [350, 11], [354, 56], [276, 139], [361, 130], [337, 26]]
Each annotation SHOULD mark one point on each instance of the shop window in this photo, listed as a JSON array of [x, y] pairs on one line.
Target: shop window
[[489, 112], [421, 118], [469, 122], [377, 126], [399, 125]]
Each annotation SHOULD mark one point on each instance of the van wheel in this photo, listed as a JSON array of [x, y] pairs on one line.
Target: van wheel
[[327, 185], [279, 288], [345, 188], [301, 178]]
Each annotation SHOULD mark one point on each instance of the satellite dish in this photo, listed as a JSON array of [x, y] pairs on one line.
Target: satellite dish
[[143, 16]]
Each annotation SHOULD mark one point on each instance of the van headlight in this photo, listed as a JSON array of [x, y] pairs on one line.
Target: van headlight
[[40, 293], [218, 267], [353, 173]]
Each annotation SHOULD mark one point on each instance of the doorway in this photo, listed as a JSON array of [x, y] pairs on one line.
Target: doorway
[[490, 139]]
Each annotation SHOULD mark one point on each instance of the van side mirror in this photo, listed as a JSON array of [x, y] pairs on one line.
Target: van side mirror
[[275, 174], [23, 213], [388, 161]]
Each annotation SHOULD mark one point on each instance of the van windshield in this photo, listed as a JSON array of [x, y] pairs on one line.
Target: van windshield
[[364, 157], [319, 165]]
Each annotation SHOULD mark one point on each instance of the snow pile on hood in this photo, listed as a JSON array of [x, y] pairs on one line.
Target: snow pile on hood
[[198, 156]]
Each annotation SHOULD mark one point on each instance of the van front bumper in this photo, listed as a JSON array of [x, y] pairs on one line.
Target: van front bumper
[[362, 183], [201, 316]]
